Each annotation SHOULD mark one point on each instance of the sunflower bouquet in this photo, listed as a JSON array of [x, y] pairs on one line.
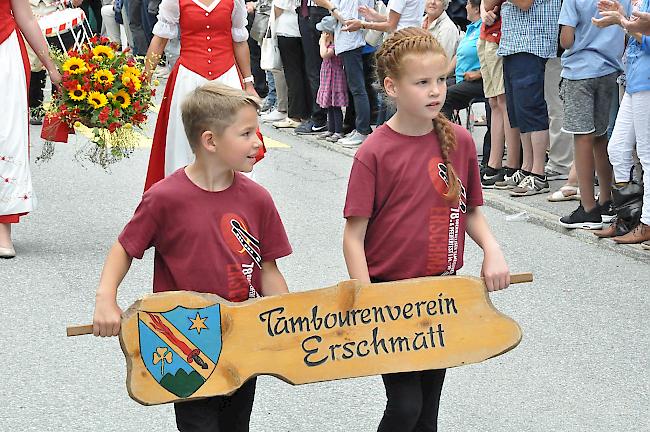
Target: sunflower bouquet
[[104, 94]]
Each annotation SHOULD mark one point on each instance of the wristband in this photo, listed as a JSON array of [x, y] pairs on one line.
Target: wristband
[[249, 79]]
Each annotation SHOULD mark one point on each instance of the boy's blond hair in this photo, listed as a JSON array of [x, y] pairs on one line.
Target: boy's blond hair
[[212, 107]]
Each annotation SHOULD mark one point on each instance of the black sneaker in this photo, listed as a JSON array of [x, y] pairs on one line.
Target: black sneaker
[[607, 211], [492, 175], [582, 219], [308, 127], [511, 179]]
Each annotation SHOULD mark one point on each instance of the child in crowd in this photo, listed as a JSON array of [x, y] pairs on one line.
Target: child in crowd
[[213, 230], [502, 134], [633, 119], [349, 46], [590, 66], [333, 91], [414, 192]]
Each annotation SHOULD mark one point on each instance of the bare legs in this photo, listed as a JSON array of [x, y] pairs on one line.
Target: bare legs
[[590, 155], [502, 135], [5, 236], [497, 135]]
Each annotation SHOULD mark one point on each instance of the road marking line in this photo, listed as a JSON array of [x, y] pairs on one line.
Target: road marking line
[[271, 143], [144, 141]]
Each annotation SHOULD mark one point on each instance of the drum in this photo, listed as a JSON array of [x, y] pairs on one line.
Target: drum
[[63, 21]]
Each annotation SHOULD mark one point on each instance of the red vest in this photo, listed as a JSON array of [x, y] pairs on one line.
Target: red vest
[[206, 38], [7, 23]]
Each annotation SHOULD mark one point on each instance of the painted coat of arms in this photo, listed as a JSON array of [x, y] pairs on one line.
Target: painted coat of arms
[[180, 348]]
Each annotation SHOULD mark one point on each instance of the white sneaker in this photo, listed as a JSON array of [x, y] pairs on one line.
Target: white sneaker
[[354, 140], [273, 116], [287, 123]]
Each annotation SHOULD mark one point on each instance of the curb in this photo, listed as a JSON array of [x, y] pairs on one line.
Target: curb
[[534, 215], [550, 221]]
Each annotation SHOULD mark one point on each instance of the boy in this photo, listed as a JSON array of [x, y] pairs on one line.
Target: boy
[[213, 229], [590, 66], [495, 91]]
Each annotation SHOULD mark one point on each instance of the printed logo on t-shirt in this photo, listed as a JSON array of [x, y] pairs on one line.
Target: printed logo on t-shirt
[[438, 174], [238, 238], [444, 222]]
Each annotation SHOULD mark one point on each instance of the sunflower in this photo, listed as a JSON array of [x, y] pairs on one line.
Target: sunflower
[[97, 99], [103, 51], [75, 65], [123, 98], [130, 70], [104, 76], [131, 79], [77, 94]]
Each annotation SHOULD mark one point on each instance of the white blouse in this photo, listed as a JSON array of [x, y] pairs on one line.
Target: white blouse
[[286, 24], [411, 12], [169, 16]]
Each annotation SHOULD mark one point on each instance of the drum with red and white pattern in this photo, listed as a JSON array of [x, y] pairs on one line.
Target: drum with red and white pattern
[[66, 20]]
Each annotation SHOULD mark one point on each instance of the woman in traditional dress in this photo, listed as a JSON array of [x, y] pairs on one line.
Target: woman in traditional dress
[[213, 47], [16, 194]]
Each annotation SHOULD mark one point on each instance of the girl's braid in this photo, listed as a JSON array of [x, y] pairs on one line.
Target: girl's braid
[[447, 138]]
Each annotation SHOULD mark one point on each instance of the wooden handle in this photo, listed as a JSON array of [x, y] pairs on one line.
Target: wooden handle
[[79, 330], [517, 278]]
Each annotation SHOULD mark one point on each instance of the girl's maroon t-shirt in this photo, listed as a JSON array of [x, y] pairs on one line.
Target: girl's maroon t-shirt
[[212, 242], [398, 182]]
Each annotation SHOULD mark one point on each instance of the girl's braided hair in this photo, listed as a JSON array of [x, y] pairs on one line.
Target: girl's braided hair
[[390, 61]]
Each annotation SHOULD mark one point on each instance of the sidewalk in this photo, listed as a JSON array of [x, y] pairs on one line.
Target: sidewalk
[[538, 210]]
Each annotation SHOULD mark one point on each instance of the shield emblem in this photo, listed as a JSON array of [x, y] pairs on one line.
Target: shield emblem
[[180, 348]]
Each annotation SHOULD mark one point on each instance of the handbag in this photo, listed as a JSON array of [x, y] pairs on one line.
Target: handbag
[[270, 53], [259, 27], [375, 37]]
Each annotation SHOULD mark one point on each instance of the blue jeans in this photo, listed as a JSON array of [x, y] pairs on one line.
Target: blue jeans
[[353, 65], [272, 97]]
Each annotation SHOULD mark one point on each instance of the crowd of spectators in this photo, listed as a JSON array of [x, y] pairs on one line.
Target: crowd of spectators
[[564, 83]]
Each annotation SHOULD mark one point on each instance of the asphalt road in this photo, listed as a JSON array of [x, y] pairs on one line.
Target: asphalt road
[[582, 364]]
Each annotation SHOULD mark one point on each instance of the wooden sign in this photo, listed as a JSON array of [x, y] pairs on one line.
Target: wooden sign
[[183, 345]]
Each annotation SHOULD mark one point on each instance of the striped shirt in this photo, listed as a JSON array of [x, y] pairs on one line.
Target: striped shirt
[[534, 31]]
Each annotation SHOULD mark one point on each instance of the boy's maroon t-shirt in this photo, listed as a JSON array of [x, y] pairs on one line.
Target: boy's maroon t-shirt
[[212, 242], [398, 182]]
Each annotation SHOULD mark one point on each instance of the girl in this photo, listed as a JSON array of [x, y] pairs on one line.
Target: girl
[[333, 91], [414, 191], [16, 194]]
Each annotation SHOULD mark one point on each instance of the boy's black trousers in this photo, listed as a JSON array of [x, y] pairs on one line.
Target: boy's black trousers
[[218, 414]]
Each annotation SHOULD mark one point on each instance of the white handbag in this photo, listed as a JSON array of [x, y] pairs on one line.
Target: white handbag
[[270, 59], [375, 37]]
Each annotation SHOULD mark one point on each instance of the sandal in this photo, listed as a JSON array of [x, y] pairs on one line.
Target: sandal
[[566, 193]]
